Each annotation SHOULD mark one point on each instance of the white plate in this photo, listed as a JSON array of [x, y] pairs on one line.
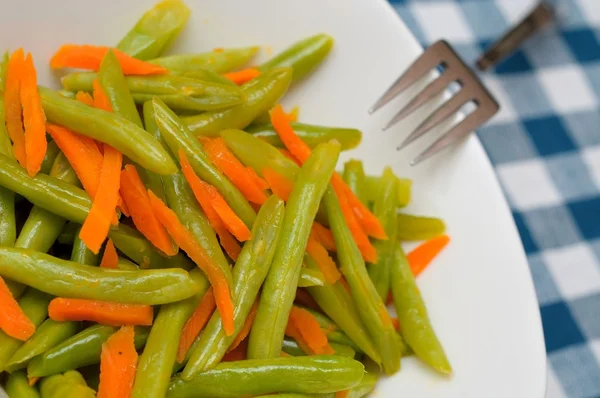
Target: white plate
[[479, 292]]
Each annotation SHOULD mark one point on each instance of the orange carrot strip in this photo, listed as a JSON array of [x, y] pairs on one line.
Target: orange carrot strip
[[118, 364], [293, 114], [32, 380], [324, 236], [90, 57], [367, 220], [422, 255], [104, 312], [292, 331], [110, 258], [289, 155], [101, 100], [245, 328], [280, 185], [196, 323], [242, 76], [203, 197], [305, 299], [136, 198], [96, 225], [324, 262], [310, 330], [221, 156], [342, 394], [84, 97], [239, 354], [34, 118], [395, 323], [283, 128], [13, 320], [259, 182], [186, 241], [12, 105]]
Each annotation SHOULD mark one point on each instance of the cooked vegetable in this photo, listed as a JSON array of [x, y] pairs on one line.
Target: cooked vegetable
[[312, 135], [118, 364], [421, 256]]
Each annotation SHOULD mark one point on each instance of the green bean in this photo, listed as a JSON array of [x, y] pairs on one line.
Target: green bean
[[68, 279], [178, 137], [155, 30], [17, 386], [71, 384], [412, 315], [412, 228], [127, 265], [67, 94], [366, 385], [205, 75], [384, 208], [280, 285], [78, 351], [67, 235], [248, 275], [133, 244], [333, 334], [258, 154], [312, 135], [52, 152], [151, 180], [81, 254], [354, 176], [371, 308], [156, 362], [314, 374], [188, 103], [47, 335], [113, 83], [291, 347], [8, 226], [404, 189], [311, 277], [303, 56], [120, 133], [215, 61], [35, 306], [261, 92]]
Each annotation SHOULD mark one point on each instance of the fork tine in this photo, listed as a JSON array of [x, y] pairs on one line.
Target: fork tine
[[433, 88], [442, 113]]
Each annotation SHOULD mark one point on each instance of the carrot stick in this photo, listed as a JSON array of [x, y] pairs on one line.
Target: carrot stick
[[202, 195], [367, 220], [342, 394], [186, 241], [200, 188], [395, 323], [13, 320], [221, 156], [136, 198], [239, 354], [96, 225], [34, 118], [101, 100], [324, 236], [423, 254], [324, 262], [196, 323], [292, 331], [259, 182], [310, 331], [12, 105], [90, 57], [104, 312], [245, 328], [242, 76], [280, 185], [110, 258], [293, 114], [283, 128], [84, 97], [118, 364]]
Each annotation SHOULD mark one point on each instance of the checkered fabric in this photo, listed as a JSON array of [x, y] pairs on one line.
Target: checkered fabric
[[545, 147]]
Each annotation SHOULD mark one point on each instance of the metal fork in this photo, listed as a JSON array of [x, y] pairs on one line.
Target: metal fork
[[453, 71]]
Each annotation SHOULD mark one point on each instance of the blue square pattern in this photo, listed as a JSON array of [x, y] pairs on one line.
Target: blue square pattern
[[595, 245], [571, 176], [585, 312], [469, 52], [560, 329], [507, 142], [583, 44], [552, 227], [526, 94], [583, 212], [547, 49], [528, 243], [549, 135], [579, 125], [408, 18], [577, 371], [592, 72], [545, 288], [485, 19], [516, 63]]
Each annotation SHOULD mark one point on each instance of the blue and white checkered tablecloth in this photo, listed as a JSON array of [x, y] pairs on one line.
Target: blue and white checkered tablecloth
[[545, 147]]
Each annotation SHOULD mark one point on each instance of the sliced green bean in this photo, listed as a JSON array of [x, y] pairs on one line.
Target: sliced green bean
[[366, 385], [404, 189], [81, 254], [71, 384], [151, 180], [412, 315], [312, 135], [291, 347], [17, 386], [261, 92], [156, 362], [155, 30], [177, 136], [303, 56], [311, 277], [120, 133], [354, 176], [311, 374], [52, 152], [205, 75], [186, 103], [127, 265], [215, 61], [411, 228], [8, 226], [371, 307], [68, 279], [280, 285], [248, 275]]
